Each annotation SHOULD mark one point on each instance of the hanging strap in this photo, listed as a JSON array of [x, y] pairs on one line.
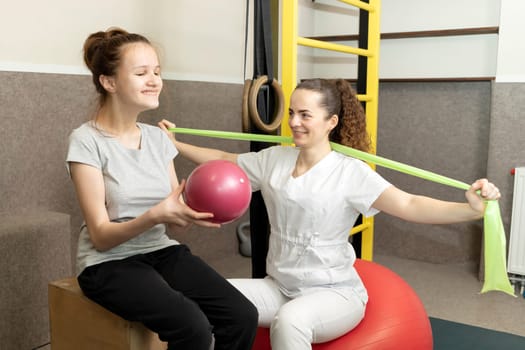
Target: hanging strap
[[263, 63], [246, 25], [263, 94]]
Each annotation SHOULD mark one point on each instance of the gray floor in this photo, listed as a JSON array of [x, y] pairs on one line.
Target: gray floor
[[449, 292]]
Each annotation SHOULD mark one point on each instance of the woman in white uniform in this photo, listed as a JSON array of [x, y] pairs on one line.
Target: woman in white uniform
[[313, 195]]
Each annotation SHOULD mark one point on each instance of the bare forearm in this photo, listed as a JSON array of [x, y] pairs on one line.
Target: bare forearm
[[202, 154], [193, 153], [427, 210], [109, 234]]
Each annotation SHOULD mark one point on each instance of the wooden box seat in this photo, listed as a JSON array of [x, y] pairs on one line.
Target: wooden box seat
[[78, 323]]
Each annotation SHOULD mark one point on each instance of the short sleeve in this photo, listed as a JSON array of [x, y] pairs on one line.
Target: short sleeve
[[258, 165], [368, 186], [168, 148], [83, 149], [251, 164]]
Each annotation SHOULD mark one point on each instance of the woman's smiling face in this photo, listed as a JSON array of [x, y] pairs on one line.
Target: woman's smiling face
[[308, 119]]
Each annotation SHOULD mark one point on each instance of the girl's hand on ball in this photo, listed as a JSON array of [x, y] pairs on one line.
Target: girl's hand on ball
[[173, 211]]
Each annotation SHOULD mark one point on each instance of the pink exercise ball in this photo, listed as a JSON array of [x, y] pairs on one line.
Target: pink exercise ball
[[395, 318], [219, 187]]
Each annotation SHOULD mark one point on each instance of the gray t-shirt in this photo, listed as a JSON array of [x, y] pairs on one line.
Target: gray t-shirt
[[135, 180]]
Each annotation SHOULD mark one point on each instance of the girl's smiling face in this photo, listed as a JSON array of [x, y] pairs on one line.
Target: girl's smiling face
[[137, 82]]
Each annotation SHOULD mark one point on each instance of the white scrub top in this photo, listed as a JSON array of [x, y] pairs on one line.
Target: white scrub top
[[311, 215]]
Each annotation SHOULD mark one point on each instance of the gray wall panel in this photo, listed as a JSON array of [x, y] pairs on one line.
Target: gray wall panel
[[442, 127], [450, 128]]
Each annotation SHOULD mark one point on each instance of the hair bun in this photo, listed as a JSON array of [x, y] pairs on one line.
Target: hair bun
[[97, 41], [103, 52], [115, 31]]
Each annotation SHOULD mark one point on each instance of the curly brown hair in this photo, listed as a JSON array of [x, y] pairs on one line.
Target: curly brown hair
[[339, 98]]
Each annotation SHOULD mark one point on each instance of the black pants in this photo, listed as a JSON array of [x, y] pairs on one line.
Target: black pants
[[176, 295]]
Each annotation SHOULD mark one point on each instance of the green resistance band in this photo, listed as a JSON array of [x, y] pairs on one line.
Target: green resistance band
[[496, 278]]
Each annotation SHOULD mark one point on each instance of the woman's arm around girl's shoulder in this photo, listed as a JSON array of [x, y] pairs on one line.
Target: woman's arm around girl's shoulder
[[196, 154]]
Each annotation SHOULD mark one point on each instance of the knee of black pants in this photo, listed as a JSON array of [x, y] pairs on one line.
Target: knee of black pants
[[195, 335], [241, 326], [248, 320], [247, 315]]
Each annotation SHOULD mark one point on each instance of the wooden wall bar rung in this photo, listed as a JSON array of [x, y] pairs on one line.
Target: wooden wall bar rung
[[436, 80], [431, 80], [416, 34]]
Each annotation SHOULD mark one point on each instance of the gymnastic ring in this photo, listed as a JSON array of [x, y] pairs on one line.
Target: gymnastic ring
[[252, 105]]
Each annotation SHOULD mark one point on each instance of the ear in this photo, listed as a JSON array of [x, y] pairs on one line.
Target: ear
[[334, 119], [107, 82]]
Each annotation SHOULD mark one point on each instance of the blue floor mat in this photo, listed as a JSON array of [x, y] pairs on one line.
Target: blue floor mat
[[450, 335]]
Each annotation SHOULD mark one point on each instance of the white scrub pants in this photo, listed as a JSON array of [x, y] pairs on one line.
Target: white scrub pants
[[295, 324]]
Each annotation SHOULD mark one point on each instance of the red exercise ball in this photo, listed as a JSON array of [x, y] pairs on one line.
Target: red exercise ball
[[219, 187], [395, 318]]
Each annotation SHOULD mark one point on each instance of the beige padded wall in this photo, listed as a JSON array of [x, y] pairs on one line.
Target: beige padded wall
[[442, 127], [506, 150], [37, 113], [507, 147]]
